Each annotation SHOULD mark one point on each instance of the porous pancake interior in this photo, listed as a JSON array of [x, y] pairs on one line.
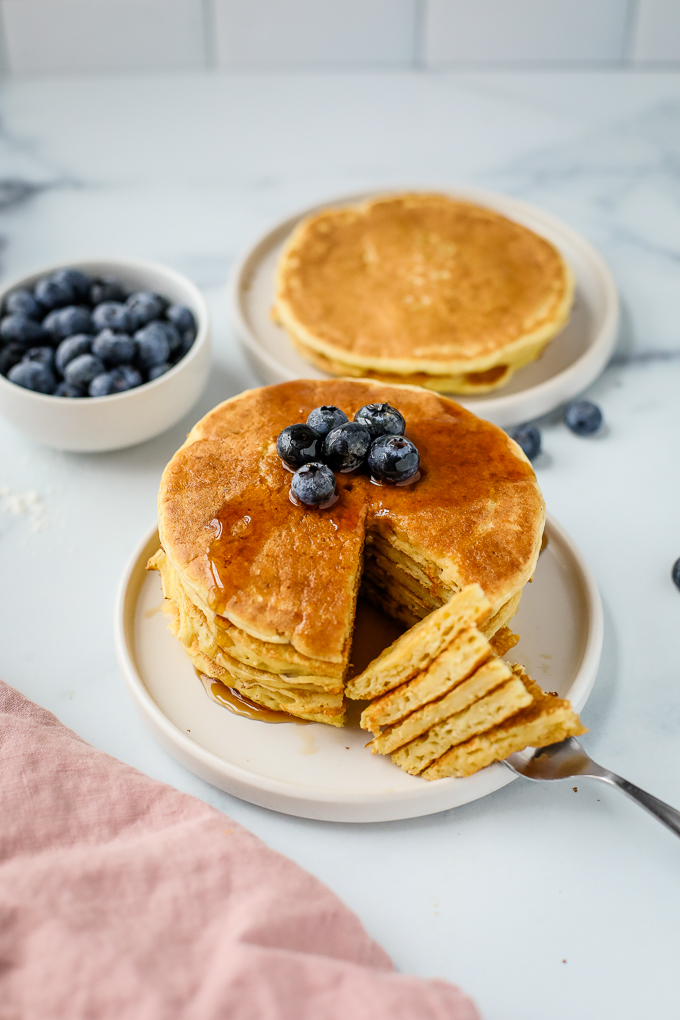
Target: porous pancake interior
[[265, 592], [421, 283]]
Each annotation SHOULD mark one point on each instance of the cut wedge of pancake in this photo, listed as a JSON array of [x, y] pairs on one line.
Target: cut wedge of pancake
[[422, 289], [546, 720], [264, 591]]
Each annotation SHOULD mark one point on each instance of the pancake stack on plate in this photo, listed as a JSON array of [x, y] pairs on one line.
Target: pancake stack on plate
[[421, 288], [262, 593], [445, 705]]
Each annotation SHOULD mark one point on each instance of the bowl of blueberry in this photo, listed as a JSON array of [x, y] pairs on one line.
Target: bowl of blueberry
[[101, 354]]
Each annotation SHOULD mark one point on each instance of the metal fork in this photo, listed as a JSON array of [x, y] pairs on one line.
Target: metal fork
[[567, 760]]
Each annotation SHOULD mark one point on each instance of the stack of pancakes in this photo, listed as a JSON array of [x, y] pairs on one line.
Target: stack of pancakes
[[262, 593], [421, 288], [445, 705]]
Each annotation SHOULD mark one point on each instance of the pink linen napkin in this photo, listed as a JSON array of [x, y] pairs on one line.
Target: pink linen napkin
[[122, 899]]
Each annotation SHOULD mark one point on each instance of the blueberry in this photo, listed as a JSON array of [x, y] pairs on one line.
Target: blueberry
[[10, 355], [20, 329], [326, 418], [45, 355], [65, 389], [345, 447], [82, 370], [127, 377], [157, 370], [381, 420], [114, 348], [107, 289], [313, 483], [174, 339], [528, 438], [33, 375], [145, 306], [54, 293], [22, 302], [153, 347], [79, 282], [675, 573], [102, 385], [583, 417], [182, 319], [298, 445], [67, 321], [184, 349], [112, 315], [393, 459], [71, 348]]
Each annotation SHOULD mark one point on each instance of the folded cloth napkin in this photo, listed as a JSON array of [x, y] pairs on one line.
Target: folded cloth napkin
[[122, 898]]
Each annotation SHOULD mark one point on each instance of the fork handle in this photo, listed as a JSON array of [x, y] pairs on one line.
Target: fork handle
[[664, 812]]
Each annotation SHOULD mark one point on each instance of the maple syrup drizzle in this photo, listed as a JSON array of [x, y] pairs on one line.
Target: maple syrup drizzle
[[239, 704]]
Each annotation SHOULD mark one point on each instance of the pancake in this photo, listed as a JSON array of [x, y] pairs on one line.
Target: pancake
[[263, 592], [546, 720], [421, 289]]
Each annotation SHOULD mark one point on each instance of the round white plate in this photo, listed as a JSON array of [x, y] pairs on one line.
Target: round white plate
[[570, 363], [318, 771]]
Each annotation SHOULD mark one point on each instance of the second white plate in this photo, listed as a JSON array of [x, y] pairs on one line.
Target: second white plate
[[567, 367], [318, 771]]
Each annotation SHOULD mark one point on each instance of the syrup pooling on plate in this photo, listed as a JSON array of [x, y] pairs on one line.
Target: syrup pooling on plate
[[239, 704]]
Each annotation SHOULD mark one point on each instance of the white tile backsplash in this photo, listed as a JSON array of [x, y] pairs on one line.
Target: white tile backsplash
[[100, 35], [275, 33], [656, 35], [528, 31]]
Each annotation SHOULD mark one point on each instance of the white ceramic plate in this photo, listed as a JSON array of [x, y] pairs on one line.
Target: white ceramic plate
[[318, 771], [570, 363]]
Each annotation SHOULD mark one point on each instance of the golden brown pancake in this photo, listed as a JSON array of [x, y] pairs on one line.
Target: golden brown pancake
[[267, 590], [421, 288]]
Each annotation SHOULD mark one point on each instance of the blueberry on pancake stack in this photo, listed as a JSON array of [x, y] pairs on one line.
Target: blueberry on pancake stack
[[262, 589], [446, 705], [421, 288]]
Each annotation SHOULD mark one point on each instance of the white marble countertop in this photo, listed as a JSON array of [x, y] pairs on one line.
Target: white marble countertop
[[540, 902]]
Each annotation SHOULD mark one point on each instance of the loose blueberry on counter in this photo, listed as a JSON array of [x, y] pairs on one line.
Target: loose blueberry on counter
[[158, 370], [112, 315], [153, 347], [54, 292], [299, 444], [675, 573], [326, 418], [393, 459], [313, 483], [114, 348], [45, 355], [71, 348], [182, 319], [65, 389], [33, 375], [345, 447], [381, 420], [22, 302], [83, 369], [528, 438], [10, 355], [143, 307], [107, 289], [583, 417], [79, 282], [20, 329], [67, 321]]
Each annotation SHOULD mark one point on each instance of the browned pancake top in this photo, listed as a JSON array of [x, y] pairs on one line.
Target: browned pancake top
[[287, 572], [419, 277]]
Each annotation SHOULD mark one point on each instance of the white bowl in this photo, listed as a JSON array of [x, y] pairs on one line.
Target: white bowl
[[109, 423]]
